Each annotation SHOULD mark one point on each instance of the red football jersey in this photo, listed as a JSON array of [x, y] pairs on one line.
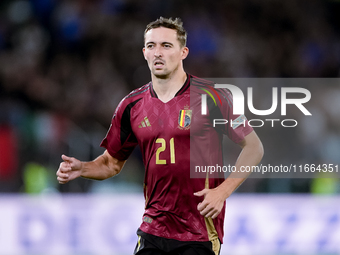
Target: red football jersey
[[173, 137]]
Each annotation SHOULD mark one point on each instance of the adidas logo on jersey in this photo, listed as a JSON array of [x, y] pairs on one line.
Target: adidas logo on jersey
[[145, 123]]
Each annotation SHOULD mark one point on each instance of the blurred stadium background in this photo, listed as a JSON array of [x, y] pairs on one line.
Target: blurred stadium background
[[65, 65]]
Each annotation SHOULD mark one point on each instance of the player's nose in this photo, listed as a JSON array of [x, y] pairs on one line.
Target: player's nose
[[158, 52]]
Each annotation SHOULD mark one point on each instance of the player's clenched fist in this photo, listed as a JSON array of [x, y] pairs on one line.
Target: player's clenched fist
[[69, 169]]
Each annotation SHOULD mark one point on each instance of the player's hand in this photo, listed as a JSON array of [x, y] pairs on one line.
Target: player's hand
[[69, 169], [212, 204]]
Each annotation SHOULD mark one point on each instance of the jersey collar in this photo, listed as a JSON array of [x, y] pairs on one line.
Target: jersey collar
[[185, 86]]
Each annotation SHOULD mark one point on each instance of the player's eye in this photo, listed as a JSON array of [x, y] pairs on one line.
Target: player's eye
[[167, 45], [149, 46]]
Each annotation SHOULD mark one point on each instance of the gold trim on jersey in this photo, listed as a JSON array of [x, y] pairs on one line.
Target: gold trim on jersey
[[212, 233], [138, 244], [146, 194]]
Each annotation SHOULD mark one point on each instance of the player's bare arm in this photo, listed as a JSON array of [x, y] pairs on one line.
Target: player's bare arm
[[103, 167], [251, 155]]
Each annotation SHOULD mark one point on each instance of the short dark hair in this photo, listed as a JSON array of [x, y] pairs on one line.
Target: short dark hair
[[175, 24]]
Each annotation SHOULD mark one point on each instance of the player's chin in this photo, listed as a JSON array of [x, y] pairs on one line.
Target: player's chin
[[161, 74]]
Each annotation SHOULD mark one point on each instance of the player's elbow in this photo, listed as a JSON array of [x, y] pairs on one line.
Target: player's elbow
[[257, 148], [114, 170], [108, 166], [114, 166], [253, 144], [107, 172], [256, 151]]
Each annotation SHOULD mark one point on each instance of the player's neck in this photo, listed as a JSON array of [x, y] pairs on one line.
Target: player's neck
[[167, 88]]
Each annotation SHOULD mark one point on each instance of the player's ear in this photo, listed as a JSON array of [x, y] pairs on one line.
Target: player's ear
[[144, 52], [185, 52]]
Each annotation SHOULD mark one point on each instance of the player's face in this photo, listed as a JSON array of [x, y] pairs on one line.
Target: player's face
[[163, 52]]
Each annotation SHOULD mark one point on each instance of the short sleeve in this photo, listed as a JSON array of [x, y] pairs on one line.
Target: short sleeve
[[120, 139]]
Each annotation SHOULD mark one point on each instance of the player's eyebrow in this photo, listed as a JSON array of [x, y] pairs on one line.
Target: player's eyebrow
[[167, 43], [162, 43], [148, 43]]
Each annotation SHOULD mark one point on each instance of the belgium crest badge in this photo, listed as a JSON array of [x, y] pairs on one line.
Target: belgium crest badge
[[184, 118]]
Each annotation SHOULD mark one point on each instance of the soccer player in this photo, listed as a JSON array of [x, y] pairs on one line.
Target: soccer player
[[183, 215]]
